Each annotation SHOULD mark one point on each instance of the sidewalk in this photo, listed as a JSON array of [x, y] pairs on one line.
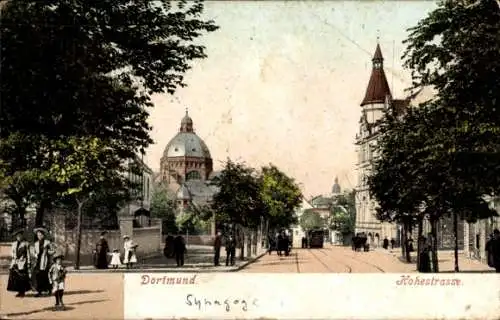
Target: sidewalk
[[446, 261], [197, 259]]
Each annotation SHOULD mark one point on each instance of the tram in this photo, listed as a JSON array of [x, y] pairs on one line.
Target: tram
[[316, 238]]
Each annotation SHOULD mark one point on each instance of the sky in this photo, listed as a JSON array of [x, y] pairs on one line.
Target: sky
[[283, 81]]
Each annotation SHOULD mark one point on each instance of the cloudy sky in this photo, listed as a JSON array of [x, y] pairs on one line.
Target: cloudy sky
[[283, 82]]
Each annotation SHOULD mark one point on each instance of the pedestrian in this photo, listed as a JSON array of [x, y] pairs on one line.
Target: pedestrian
[[179, 250], [57, 276], [272, 244], [43, 251], [230, 250], [217, 245], [19, 278], [393, 243], [424, 258], [102, 251], [303, 242], [385, 243], [168, 251], [286, 244], [495, 248], [115, 259], [279, 242], [129, 252], [489, 251]]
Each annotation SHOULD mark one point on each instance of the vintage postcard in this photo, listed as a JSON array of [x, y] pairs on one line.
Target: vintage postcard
[[249, 159]]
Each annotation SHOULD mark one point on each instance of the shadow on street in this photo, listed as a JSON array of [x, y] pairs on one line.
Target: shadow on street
[[67, 308]]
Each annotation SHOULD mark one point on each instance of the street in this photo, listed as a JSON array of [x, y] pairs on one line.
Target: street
[[100, 295], [337, 259]]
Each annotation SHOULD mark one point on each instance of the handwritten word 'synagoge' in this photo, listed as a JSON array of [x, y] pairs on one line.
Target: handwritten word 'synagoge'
[[227, 303], [164, 280], [427, 281]]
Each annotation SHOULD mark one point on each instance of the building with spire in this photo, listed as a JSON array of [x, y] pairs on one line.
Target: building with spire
[[186, 167], [377, 98]]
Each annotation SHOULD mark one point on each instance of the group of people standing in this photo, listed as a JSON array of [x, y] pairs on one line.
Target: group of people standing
[[102, 253], [230, 244], [36, 267], [281, 243], [175, 247]]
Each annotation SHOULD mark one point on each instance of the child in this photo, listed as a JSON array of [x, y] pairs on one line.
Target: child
[[57, 275], [115, 259]]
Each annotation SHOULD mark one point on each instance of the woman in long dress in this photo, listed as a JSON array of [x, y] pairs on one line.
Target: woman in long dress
[[19, 279], [129, 255], [102, 250], [43, 250]]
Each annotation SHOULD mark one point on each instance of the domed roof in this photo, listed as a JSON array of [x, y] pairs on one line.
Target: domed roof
[[187, 143], [336, 186]]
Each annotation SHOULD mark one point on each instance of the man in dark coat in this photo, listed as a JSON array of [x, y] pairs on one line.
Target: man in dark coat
[[286, 244], [386, 243], [179, 250], [424, 258], [230, 250], [393, 243], [495, 249], [102, 250], [279, 243], [168, 251], [217, 245]]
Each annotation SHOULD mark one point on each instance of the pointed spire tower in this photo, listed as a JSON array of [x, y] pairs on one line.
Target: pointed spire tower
[[378, 87]]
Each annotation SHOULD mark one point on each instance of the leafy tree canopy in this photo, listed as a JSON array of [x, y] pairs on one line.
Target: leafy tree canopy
[[311, 219], [281, 196]]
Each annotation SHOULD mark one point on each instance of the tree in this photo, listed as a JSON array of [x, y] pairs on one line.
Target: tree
[[310, 220], [456, 50], [238, 201], [93, 81], [89, 163], [163, 207], [281, 197], [343, 213]]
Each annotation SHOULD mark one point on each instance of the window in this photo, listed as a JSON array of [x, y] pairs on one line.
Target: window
[[193, 175]]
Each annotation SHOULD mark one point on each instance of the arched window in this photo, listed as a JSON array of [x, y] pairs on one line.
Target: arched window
[[193, 175]]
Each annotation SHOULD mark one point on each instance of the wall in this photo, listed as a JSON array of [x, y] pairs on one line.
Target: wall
[[88, 244], [200, 240], [148, 240]]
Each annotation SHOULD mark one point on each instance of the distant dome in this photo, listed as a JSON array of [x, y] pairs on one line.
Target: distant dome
[[336, 186], [187, 143], [183, 193]]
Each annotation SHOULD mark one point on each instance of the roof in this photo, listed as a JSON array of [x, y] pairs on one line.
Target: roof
[[187, 144], [378, 87], [201, 191], [183, 193]]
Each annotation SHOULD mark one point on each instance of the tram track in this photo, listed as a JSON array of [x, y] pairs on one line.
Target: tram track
[[359, 260], [327, 267]]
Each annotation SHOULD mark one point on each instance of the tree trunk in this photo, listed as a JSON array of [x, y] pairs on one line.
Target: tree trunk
[[241, 241], [78, 234], [40, 214], [455, 234], [407, 243], [419, 241], [435, 261], [402, 240]]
